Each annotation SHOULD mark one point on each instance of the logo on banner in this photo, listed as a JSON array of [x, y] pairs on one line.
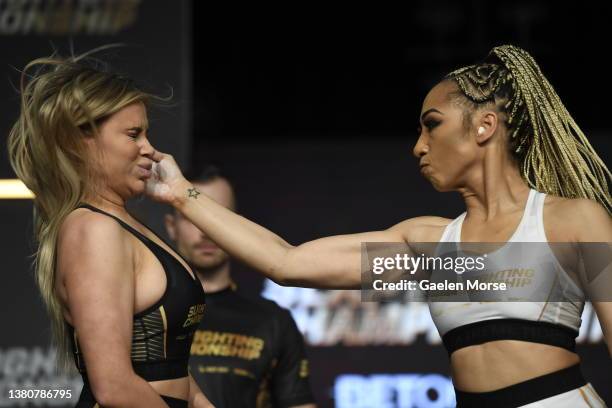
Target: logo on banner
[[87, 17], [394, 391]]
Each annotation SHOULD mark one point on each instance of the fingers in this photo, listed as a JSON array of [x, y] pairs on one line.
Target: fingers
[[157, 156]]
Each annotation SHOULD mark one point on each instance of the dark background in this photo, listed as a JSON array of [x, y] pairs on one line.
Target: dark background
[[314, 120]]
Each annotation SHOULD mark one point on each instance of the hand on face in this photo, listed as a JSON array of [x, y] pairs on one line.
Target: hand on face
[[165, 179]]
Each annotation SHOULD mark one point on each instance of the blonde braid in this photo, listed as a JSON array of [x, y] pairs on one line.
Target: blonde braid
[[554, 154]]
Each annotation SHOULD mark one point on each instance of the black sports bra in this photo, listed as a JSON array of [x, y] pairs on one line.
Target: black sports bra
[[161, 334]]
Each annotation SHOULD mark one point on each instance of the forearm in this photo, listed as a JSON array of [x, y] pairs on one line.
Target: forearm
[[331, 262], [243, 239], [130, 392]]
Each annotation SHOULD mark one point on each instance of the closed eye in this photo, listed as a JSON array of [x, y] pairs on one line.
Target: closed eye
[[134, 132], [431, 124]]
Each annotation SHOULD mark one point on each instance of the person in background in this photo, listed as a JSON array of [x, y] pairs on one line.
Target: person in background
[[246, 352]]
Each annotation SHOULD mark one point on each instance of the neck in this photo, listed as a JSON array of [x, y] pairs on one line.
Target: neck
[[107, 200], [215, 279], [496, 187]]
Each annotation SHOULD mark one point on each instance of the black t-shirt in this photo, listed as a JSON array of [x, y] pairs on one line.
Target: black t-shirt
[[249, 353]]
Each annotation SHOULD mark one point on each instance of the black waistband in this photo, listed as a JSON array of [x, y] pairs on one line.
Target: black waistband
[[156, 370], [526, 392], [510, 329], [161, 370]]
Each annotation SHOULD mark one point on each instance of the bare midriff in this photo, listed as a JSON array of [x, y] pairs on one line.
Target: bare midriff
[[498, 364]]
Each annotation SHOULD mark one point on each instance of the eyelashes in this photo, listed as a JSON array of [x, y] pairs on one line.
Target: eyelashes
[[134, 132], [429, 124]]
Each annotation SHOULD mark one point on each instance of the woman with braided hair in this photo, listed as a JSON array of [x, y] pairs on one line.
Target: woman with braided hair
[[497, 133]]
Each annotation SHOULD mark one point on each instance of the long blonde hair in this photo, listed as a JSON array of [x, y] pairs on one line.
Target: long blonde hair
[[63, 100]]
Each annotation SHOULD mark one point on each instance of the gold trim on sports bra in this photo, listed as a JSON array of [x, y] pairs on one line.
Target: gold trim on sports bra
[[163, 314]]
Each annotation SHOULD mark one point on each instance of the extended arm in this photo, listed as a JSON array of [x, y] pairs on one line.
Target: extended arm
[[333, 262]]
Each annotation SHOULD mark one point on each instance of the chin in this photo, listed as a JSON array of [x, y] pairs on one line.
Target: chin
[[210, 261], [440, 187], [138, 188]]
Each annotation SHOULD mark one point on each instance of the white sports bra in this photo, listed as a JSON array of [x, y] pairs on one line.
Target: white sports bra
[[463, 324]]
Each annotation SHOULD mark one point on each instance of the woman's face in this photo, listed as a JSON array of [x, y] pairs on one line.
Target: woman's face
[[446, 150], [122, 152]]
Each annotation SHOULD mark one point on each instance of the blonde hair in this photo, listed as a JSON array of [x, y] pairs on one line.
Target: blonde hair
[[62, 101], [554, 155]]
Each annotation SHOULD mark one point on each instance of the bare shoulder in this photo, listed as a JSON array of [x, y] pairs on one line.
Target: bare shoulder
[[83, 226], [577, 219], [422, 229], [562, 206], [86, 234]]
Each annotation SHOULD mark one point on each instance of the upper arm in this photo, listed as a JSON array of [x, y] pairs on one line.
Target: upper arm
[[592, 222], [593, 231], [592, 227], [97, 272], [604, 315], [335, 262]]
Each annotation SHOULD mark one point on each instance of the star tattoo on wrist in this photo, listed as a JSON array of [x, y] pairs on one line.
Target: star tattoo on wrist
[[193, 193]]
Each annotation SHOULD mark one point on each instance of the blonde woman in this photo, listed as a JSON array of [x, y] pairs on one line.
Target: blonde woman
[[497, 133], [121, 300]]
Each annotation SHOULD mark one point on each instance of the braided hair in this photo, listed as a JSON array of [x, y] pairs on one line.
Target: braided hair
[[554, 155]]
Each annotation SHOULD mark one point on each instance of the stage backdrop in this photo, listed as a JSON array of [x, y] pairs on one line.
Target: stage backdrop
[[361, 355]]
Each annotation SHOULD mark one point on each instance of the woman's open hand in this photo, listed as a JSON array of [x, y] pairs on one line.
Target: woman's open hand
[[166, 182]]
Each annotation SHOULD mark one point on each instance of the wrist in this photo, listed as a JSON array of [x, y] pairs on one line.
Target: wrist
[[180, 194]]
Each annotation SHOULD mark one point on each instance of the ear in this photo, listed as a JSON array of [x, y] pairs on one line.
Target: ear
[[170, 227], [91, 144], [486, 126]]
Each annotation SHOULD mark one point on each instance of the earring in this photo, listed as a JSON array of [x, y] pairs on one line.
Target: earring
[[481, 131]]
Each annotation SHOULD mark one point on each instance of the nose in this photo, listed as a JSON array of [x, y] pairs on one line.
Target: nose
[[147, 149], [420, 148]]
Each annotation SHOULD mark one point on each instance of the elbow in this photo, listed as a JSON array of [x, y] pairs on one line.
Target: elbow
[[283, 272], [111, 392], [108, 396], [282, 280], [287, 280], [277, 274], [282, 276]]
